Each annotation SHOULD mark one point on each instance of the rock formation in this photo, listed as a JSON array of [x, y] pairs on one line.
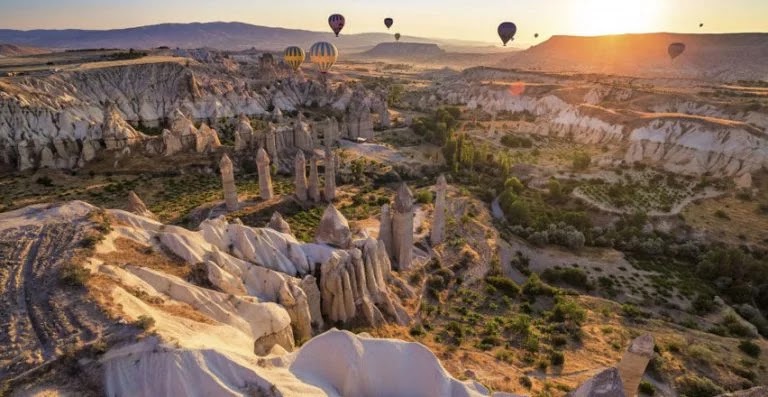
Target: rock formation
[[271, 145], [300, 176], [136, 206], [279, 224], [760, 391], [116, 132], [402, 228], [633, 363], [438, 221], [385, 229], [302, 136], [243, 134], [606, 383], [265, 175], [330, 176], [334, 229], [228, 181], [313, 189]]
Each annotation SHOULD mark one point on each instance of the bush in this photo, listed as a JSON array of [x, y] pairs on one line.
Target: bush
[[570, 276], [144, 322], [44, 181], [646, 388], [424, 197], [695, 386], [417, 330], [557, 359], [568, 310], [74, 275], [581, 161], [534, 287], [504, 284], [750, 348], [525, 382]]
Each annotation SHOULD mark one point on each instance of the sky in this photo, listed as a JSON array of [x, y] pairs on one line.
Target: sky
[[474, 20]]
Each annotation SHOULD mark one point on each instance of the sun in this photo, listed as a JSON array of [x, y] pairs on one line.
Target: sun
[[598, 17]]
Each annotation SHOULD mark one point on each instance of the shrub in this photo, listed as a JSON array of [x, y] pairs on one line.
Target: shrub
[[568, 310], [534, 286], [144, 322], [722, 215], [750, 348], [417, 330], [44, 181], [504, 284], [514, 184], [581, 161], [525, 382], [696, 386], [557, 359], [571, 276], [646, 388], [74, 275], [424, 197]]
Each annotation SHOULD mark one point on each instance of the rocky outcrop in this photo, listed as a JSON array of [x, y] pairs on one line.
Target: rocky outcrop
[[385, 229], [136, 206], [59, 120], [228, 182], [279, 224], [244, 136], [313, 188], [760, 391], [438, 220], [265, 175], [300, 177], [334, 229], [633, 363], [402, 228], [115, 131], [606, 383], [330, 176]]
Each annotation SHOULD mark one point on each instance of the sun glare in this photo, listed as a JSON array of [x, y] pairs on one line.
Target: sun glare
[[597, 17]]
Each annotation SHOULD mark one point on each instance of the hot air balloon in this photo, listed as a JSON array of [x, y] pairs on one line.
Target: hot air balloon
[[397, 36], [507, 32], [388, 22], [324, 55], [675, 49], [701, 25], [294, 57], [536, 36], [336, 21]]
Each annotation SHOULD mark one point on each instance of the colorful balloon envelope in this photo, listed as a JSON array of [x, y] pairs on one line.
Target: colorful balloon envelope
[[336, 22], [507, 32], [397, 36], [324, 55], [675, 50], [294, 57], [536, 36], [388, 22]]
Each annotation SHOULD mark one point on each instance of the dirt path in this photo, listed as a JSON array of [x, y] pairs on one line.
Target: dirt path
[[39, 315]]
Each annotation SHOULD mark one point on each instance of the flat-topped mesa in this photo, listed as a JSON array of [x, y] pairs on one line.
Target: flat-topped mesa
[[278, 223], [137, 206], [314, 180], [300, 176], [243, 134], [228, 181], [330, 176], [334, 229], [438, 222], [402, 227], [633, 363], [265, 177]]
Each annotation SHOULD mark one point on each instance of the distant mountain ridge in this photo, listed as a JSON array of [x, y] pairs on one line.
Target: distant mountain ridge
[[727, 57], [410, 50], [220, 35]]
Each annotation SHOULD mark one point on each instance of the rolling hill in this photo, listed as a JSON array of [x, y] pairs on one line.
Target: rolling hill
[[740, 56], [11, 50], [220, 35]]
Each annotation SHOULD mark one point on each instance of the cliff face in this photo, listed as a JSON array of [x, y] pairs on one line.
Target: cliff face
[[64, 119], [678, 133]]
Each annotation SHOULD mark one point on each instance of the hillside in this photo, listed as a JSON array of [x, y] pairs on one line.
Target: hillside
[[220, 35], [405, 50], [10, 50], [712, 56]]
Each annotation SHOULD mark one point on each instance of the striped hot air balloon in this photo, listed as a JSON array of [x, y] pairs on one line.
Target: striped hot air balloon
[[336, 21], [294, 57], [324, 55]]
